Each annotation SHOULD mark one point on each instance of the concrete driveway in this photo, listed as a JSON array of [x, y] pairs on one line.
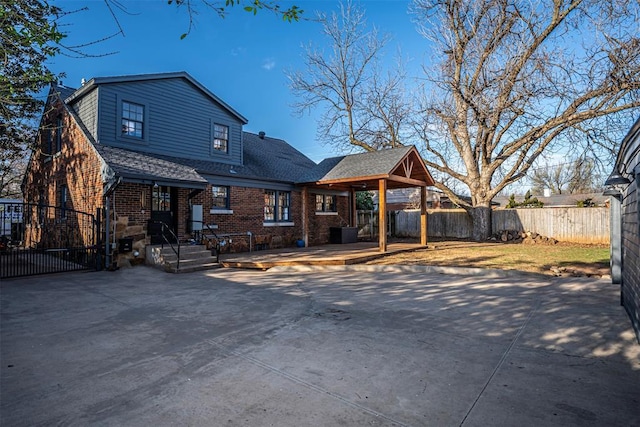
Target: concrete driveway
[[360, 345]]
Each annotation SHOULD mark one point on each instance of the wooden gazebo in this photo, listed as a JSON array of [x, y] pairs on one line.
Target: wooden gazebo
[[377, 170]]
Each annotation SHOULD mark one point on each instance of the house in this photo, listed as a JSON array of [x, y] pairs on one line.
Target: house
[[409, 198], [561, 200], [10, 221], [623, 185], [166, 159]]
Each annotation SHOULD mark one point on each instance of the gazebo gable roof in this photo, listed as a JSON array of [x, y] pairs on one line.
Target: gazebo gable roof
[[401, 167]]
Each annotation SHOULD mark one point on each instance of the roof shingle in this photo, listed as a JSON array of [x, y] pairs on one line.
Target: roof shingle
[[372, 163]]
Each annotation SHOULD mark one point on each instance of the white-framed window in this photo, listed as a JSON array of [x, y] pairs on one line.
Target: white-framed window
[[220, 137], [326, 203], [277, 206], [220, 198], [132, 120]]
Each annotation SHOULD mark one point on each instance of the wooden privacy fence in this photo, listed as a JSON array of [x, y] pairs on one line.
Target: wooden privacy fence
[[579, 225]]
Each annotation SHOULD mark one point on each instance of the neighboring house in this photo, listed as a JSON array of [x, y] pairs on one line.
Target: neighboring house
[[10, 221], [409, 198], [560, 200], [163, 148], [623, 185]]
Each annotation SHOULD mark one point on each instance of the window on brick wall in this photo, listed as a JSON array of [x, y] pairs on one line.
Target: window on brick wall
[[42, 203], [326, 203], [277, 205], [59, 129], [220, 198], [63, 201], [48, 141]]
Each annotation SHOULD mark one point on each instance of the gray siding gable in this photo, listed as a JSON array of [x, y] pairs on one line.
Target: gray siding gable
[[179, 116], [86, 109]]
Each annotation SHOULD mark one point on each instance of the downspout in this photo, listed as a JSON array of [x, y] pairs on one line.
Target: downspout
[[107, 196]]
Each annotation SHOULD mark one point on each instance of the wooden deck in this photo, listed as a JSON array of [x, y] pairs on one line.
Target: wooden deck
[[346, 254]]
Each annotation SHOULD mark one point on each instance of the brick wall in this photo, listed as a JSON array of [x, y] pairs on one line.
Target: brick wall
[[247, 205], [75, 166], [129, 211], [319, 224]]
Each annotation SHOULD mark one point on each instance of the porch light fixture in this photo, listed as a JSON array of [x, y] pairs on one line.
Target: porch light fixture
[[616, 179], [611, 191], [155, 184]]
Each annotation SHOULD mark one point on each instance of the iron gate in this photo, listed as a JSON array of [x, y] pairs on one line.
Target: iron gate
[[39, 239]]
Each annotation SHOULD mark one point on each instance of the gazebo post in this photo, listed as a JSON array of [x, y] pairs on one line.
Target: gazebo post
[[423, 216], [354, 211], [305, 220], [382, 214]]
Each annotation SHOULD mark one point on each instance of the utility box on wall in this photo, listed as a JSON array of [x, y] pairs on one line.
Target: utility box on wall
[[196, 218], [125, 245]]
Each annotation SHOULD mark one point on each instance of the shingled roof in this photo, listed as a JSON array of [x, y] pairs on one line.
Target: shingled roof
[[265, 159], [366, 168], [63, 91], [134, 165], [371, 163]]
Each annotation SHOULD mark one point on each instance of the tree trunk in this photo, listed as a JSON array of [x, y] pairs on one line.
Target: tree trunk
[[481, 217]]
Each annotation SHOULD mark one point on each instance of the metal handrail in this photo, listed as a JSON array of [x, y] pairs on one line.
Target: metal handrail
[[215, 241], [173, 234]]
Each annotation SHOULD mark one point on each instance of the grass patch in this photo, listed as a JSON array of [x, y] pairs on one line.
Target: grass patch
[[570, 259]]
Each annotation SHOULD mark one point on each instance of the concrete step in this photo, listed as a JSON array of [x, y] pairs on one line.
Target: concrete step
[[192, 258], [185, 249], [172, 256], [188, 267]]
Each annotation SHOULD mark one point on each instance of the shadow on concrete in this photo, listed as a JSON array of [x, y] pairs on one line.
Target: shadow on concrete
[[353, 345]]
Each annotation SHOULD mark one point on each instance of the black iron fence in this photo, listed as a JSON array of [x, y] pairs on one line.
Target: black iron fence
[[39, 239]]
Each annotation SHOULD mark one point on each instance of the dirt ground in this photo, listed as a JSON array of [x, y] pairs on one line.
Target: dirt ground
[[561, 259]]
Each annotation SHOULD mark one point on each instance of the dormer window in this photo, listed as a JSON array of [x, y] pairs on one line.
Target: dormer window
[[220, 138], [132, 119]]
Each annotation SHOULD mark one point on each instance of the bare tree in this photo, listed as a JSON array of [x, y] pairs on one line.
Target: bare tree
[[576, 176], [511, 79], [364, 107]]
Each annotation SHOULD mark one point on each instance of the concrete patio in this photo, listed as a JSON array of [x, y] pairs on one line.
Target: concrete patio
[[315, 346]]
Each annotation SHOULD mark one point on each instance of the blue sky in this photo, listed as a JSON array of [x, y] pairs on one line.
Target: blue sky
[[242, 58]]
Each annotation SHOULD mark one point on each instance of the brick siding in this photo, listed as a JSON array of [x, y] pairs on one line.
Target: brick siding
[[319, 224], [75, 166]]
